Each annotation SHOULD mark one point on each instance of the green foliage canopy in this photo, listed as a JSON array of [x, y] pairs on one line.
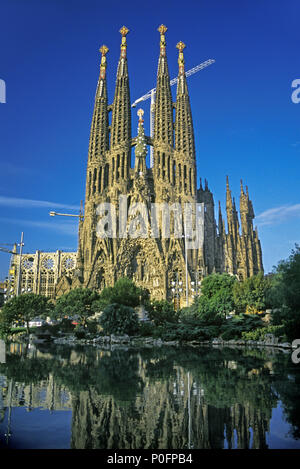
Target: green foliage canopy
[[24, 308], [161, 312], [124, 292], [251, 293], [119, 319], [216, 300], [284, 294], [77, 302]]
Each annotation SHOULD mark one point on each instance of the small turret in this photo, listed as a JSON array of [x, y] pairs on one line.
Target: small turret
[[141, 147]]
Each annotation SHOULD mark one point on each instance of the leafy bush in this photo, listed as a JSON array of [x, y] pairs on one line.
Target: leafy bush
[[161, 312], [229, 334], [79, 332], [124, 292], [65, 325], [146, 329], [119, 319], [92, 327], [260, 333]]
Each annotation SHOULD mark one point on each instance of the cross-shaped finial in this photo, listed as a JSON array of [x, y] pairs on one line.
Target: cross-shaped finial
[[162, 29], [180, 46], [103, 49], [124, 31], [140, 113]]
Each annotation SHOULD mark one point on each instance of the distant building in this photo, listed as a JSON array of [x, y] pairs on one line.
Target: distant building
[[40, 271]]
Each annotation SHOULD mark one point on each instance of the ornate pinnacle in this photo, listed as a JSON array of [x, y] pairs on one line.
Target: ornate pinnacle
[[162, 29], [103, 49], [124, 31], [180, 46], [140, 113], [242, 188]]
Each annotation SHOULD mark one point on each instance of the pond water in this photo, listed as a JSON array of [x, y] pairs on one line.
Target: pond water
[[156, 398]]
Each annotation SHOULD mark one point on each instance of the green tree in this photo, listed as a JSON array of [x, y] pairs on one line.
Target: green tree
[[119, 319], [215, 283], [216, 299], [123, 292], [24, 308], [79, 302], [284, 294], [161, 312], [251, 294]]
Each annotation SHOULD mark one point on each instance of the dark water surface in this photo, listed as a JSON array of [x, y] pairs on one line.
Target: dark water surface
[[158, 398]]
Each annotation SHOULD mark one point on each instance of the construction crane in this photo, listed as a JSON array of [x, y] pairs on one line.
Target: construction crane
[[151, 94], [21, 244], [8, 250]]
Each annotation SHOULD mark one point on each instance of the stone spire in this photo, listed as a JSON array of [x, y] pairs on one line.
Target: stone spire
[[229, 206], [121, 109], [163, 120], [220, 224], [99, 134], [184, 132], [246, 212]]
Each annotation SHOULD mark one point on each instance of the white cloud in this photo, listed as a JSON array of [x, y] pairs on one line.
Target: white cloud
[[278, 214], [29, 203], [65, 228]]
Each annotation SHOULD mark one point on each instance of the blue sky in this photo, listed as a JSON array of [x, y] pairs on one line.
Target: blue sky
[[246, 125]]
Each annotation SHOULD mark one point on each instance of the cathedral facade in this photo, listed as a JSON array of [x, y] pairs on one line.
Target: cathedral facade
[[110, 247]]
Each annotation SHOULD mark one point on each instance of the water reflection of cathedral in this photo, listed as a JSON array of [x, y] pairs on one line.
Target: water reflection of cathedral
[[161, 419], [152, 403]]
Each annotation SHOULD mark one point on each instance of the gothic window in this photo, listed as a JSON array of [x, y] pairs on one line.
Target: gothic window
[[94, 180], [179, 171], [117, 167], [106, 175], [113, 169], [48, 264], [89, 183], [174, 171], [100, 180], [123, 166]]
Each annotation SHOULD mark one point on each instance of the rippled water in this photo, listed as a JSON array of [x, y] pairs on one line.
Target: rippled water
[[158, 398]]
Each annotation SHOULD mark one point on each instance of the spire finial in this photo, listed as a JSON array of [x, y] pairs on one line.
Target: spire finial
[[140, 113], [124, 31], [180, 46], [162, 30], [242, 187], [103, 49]]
